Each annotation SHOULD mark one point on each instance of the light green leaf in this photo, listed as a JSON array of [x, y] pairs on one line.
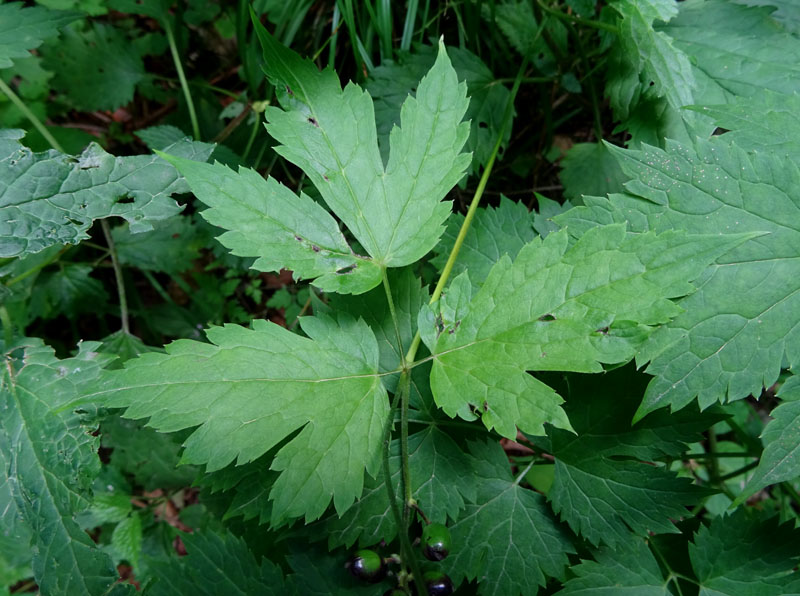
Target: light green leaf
[[250, 389], [51, 198], [786, 12], [95, 70], [265, 219], [442, 477], [605, 483], [50, 461], [561, 308], [780, 460], [590, 169], [25, 28], [494, 232], [507, 537], [216, 564], [395, 212], [746, 554], [736, 330], [630, 569]]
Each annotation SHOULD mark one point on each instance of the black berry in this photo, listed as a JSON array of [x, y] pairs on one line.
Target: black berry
[[367, 565], [435, 542], [438, 583]]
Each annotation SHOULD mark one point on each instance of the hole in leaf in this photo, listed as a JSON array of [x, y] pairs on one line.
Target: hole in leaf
[[547, 318], [125, 200], [602, 330], [289, 90], [314, 122], [315, 248], [483, 125], [346, 270]]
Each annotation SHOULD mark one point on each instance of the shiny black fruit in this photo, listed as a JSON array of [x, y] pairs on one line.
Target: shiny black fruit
[[367, 565], [435, 542]]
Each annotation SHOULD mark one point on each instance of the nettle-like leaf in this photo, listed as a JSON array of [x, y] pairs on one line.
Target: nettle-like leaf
[[606, 485], [780, 460], [251, 388], [95, 70], [737, 329], [216, 564], [49, 462], [51, 198], [25, 28], [395, 212], [506, 538], [170, 247], [558, 307], [629, 569], [746, 553]]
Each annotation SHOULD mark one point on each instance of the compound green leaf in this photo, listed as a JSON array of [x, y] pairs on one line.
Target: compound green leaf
[[746, 554], [442, 477], [216, 564], [780, 460], [51, 198], [25, 28], [391, 83], [494, 232], [396, 212], [251, 388], [736, 330], [265, 219], [605, 483], [95, 70], [561, 308], [50, 461], [630, 569], [507, 537]]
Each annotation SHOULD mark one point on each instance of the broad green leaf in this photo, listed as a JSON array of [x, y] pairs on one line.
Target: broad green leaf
[[494, 232], [630, 569], [736, 330], [25, 28], [216, 564], [14, 531], [391, 83], [507, 537], [767, 121], [780, 460], [735, 50], [265, 219], [251, 388], [746, 554], [561, 308], [50, 461], [51, 198], [786, 12], [602, 486], [442, 478], [170, 247], [243, 491], [95, 70], [516, 19], [395, 212], [125, 346]]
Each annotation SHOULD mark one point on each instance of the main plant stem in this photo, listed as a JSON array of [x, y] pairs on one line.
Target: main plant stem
[[403, 390], [123, 301]]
